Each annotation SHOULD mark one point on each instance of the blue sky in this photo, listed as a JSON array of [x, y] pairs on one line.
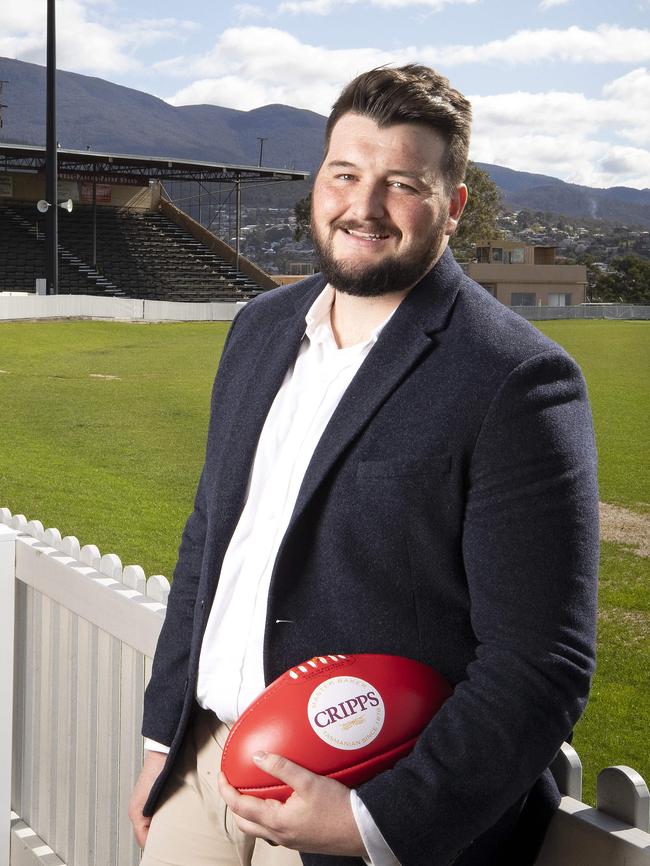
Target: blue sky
[[560, 87]]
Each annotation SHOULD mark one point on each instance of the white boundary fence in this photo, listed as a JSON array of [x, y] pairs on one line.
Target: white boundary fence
[[585, 311], [97, 307], [77, 631], [30, 306]]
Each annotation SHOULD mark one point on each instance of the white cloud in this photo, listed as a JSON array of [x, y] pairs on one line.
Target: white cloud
[[275, 59], [231, 91], [548, 4], [605, 44], [626, 161], [247, 11], [569, 135], [632, 93], [252, 66], [89, 38]]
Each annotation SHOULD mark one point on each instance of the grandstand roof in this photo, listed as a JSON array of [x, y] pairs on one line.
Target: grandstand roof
[[111, 167]]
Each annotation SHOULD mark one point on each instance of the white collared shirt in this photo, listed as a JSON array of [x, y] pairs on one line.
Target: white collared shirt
[[231, 668]]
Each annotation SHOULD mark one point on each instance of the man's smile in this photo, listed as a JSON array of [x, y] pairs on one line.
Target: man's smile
[[369, 234], [366, 236]]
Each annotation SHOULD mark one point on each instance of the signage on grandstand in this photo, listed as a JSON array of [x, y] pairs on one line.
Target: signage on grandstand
[[100, 177], [6, 186], [102, 193]]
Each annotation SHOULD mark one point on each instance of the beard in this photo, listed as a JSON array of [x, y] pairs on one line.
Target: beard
[[394, 273]]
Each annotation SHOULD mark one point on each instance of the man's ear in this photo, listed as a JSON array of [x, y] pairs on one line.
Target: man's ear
[[457, 204]]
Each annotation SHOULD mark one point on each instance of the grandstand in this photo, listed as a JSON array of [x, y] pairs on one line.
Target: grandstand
[[140, 254], [123, 237]]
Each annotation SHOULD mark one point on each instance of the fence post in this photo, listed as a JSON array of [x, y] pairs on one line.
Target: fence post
[[567, 771], [7, 600], [622, 793]]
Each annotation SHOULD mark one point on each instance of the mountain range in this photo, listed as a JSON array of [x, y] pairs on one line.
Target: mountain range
[[99, 115]]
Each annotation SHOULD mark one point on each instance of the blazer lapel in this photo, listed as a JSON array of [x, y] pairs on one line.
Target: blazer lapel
[[403, 342], [257, 387]]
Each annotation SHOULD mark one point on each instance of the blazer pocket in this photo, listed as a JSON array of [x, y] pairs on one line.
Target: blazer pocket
[[400, 467]]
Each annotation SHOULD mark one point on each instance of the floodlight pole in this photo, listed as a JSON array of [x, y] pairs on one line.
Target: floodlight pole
[[261, 140], [51, 168], [237, 220], [94, 216]]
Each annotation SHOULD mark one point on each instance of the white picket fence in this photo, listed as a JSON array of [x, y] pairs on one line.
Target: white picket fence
[[82, 633], [77, 632]]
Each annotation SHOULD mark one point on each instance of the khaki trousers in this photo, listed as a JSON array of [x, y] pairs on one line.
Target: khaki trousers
[[192, 825]]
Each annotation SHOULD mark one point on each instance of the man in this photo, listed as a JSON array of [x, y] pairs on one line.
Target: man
[[396, 463]]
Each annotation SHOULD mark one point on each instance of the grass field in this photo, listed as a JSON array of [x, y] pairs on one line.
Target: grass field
[[103, 434], [615, 358]]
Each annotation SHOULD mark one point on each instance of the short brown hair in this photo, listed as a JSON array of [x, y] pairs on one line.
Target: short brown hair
[[411, 94]]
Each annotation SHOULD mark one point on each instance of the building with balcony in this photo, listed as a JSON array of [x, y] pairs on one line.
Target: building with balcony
[[522, 275]]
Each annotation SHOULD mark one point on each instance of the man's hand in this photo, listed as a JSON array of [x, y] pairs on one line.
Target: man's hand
[[317, 818], [151, 769]]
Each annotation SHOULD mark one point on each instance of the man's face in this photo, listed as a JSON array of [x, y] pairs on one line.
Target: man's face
[[380, 215]]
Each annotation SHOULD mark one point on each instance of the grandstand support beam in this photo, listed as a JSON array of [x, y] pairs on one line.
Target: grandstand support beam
[[51, 166], [237, 221]]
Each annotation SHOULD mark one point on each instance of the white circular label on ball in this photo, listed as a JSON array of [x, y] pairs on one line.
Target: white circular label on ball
[[346, 712]]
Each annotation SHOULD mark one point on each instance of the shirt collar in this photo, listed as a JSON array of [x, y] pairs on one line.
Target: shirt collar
[[319, 325]]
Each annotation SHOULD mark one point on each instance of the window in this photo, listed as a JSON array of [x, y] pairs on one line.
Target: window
[[497, 254], [559, 300], [490, 288], [517, 257], [522, 299]]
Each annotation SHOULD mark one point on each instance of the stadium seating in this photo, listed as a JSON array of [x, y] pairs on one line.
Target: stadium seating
[[139, 254]]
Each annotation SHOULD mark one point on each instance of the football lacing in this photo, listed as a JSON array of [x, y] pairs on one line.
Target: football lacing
[[314, 664]]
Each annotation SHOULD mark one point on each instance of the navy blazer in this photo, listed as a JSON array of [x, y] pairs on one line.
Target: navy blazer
[[449, 514]]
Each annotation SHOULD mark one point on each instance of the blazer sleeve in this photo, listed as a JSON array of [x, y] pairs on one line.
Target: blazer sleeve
[[530, 552], [164, 696]]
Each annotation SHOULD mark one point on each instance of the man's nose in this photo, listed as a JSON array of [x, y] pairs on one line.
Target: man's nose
[[369, 201]]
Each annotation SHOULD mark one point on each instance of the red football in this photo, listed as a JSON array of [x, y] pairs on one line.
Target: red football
[[348, 717]]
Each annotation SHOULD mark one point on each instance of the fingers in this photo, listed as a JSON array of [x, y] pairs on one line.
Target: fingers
[[153, 764], [256, 809], [262, 811], [251, 808], [317, 817], [253, 815], [141, 830], [251, 828], [294, 775]]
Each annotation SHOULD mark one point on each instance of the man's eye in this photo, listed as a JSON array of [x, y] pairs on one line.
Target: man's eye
[[399, 184]]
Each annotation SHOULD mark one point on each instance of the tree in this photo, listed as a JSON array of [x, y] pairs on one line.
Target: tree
[[478, 222], [302, 210], [627, 282], [525, 218]]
